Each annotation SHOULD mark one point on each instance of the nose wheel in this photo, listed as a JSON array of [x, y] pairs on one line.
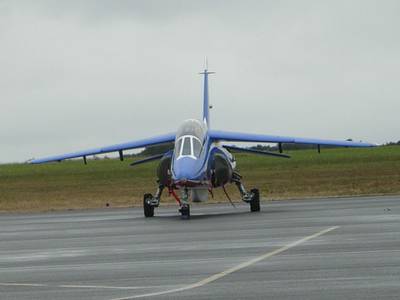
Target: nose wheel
[[185, 211]]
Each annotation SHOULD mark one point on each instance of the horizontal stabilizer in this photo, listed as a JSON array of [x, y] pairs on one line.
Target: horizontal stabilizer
[[147, 159], [256, 151]]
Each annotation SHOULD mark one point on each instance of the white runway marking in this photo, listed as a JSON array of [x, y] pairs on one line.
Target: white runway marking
[[104, 287], [76, 286], [233, 269], [22, 284]]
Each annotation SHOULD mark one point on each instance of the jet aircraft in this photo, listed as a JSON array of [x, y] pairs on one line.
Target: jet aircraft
[[201, 159]]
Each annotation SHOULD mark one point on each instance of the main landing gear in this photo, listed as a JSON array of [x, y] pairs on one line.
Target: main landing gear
[[150, 202], [148, 209], [252, 197]]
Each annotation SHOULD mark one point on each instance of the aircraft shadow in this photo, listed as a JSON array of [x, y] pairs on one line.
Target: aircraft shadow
[[212, 215]]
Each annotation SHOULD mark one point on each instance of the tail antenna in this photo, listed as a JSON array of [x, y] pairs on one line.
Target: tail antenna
[[206, 72]]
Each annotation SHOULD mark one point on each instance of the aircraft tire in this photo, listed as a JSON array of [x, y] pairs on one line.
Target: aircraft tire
[[255, 201], [147, 208], [185, 212]]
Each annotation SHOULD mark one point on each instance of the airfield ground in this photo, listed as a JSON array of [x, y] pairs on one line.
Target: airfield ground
[[72, 185], [306, 249]]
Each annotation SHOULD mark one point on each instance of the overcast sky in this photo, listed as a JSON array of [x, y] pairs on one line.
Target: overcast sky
[[82, 74]]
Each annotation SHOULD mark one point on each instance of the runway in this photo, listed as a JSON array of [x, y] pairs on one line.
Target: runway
[[301, 249]]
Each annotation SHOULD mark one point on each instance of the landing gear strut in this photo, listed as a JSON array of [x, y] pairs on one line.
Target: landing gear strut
[[184, 202], [252, 197]]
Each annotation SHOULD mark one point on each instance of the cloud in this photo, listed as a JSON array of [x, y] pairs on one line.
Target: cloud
[[80, 74]]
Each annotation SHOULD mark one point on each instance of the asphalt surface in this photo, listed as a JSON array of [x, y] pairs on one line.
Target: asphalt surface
[[300, 249]]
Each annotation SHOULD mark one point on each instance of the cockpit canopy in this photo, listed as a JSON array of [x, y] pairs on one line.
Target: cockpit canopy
[[190, 139]]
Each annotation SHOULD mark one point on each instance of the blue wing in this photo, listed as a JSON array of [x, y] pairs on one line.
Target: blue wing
[[262, 138], [113, 148]]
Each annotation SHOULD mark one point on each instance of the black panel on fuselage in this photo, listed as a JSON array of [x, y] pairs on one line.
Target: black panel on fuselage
[[164, 170], [222, 170]]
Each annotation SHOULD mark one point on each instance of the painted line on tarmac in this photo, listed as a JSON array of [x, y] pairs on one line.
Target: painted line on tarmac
[[103, 287], [22, 284], [233, 269], [76, 286]]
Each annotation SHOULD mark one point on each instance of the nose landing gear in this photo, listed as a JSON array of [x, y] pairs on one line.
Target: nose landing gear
[[184, 203], [184, 207], [185, 211]]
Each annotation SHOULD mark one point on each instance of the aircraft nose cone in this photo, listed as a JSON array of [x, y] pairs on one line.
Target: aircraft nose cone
[[185, 168]]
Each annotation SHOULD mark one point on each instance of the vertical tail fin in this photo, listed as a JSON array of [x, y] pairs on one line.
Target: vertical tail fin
[[206, 104]]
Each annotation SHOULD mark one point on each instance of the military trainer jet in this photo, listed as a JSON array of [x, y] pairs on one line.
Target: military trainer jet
[[200, 160]]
